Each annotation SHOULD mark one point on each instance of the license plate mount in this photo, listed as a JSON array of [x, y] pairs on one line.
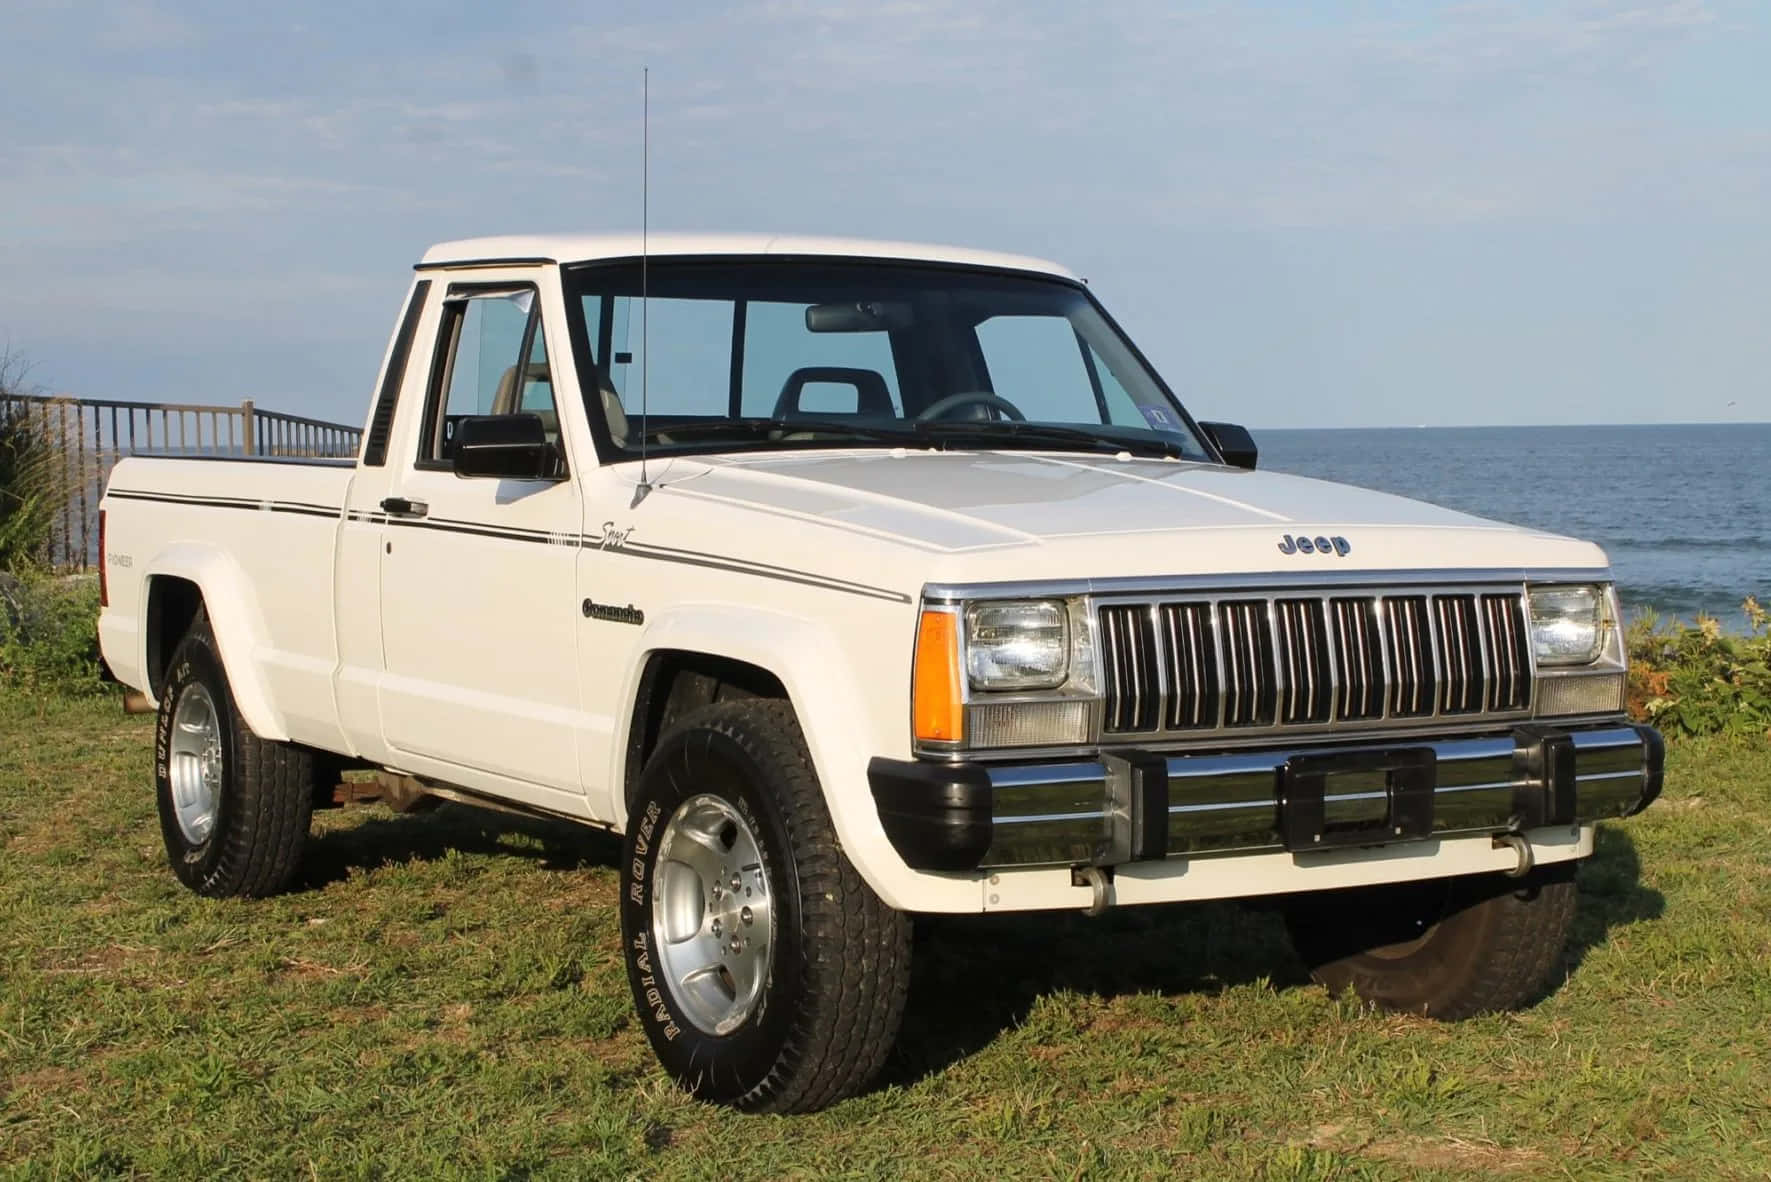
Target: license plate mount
[[1353, 798]]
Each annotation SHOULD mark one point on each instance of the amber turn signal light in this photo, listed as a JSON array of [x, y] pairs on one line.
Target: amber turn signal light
[[937, 710]]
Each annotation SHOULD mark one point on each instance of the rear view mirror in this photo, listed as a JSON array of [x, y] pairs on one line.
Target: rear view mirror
[[514, 447], [1234, 443], [865, 316]]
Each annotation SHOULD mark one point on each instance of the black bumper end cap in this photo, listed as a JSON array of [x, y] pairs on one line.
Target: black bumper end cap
[[1544, 767], [937, 816], [1653, 766]]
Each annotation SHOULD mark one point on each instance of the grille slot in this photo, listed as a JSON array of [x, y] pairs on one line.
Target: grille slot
[[1192, 657], [1128, 664], [1408, 634], [1459, 635], [1308, 680], [1359, 656], [1202, 664], [1509, 664], [1250, 677]]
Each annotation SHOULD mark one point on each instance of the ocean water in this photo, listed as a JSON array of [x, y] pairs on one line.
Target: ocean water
[[1683, 511]]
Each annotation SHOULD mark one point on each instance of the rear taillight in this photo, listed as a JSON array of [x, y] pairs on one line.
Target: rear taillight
[[104, 578]]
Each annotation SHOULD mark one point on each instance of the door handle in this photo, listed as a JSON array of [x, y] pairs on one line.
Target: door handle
[[401, 507]]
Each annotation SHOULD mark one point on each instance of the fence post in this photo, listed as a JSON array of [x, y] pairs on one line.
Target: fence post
[[248, 426]]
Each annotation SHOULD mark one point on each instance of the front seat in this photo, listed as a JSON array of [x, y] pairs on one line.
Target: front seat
[[508, 400], [872, 399], [615, 413]]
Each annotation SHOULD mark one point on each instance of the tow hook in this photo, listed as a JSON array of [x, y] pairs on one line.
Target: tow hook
[[1096, 879], [1521, 847]]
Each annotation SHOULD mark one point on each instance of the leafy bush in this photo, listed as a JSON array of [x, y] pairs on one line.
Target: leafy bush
[[49, 634], [1698, 680], [31, 484]]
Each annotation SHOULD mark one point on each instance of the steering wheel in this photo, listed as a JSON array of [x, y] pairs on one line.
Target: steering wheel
[[939, 407]]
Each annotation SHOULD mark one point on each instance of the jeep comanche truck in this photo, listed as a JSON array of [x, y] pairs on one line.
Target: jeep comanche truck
[[912, 589]]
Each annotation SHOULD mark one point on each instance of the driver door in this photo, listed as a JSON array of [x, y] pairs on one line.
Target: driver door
[[479, 604]]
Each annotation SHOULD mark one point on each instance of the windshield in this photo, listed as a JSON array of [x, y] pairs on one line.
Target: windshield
[[764, 354]]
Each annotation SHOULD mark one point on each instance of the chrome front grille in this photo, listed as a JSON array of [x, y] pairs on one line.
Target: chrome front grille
[[1237, 663]]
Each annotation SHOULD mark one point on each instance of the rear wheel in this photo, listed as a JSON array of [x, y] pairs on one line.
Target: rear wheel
[[234, 808], [1443, 948], [767, 974]]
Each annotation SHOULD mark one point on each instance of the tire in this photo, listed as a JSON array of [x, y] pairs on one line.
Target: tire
[[811, 1017], [260, 794], [1444, 948]]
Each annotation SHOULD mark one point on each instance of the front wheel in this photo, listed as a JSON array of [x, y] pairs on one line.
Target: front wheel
[[767, 975], [1443, 948]]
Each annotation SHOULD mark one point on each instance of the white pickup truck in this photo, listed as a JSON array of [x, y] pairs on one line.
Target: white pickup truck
[[912, 589]]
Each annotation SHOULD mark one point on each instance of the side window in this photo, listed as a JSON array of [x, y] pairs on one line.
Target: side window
[[1036, 363], [485, 369], [826, 373]]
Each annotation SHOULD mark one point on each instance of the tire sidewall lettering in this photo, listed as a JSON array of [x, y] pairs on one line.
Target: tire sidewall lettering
[[638, 887], [685, 1050], [194, 662]]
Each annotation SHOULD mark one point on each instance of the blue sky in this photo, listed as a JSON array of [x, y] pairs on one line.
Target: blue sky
[[1307, 215]]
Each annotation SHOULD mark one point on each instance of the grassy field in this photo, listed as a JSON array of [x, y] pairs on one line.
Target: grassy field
[[442, 995]]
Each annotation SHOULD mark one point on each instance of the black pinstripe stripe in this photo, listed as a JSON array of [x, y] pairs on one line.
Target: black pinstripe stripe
[[480, 529], [301, 508]]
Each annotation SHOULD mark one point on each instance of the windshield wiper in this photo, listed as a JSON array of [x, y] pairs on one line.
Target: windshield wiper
[[989, 433], [752, 428], [917, 432]]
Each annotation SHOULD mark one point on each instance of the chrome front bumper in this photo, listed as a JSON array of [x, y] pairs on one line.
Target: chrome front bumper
[[1130, 806]]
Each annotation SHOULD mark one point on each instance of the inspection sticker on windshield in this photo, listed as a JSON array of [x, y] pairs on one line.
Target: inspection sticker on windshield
[[1161, 418]]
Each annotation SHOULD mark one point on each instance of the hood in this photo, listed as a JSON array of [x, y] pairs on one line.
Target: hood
[[1073, 508]]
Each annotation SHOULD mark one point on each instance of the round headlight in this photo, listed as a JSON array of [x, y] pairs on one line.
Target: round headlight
[[1568, 624], [1017, 644]]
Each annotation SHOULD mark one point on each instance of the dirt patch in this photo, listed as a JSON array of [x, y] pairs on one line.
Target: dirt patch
[[109, 960], [580, 893], [60, 1080], [1428, 1153], [39, 839], [300, 969]]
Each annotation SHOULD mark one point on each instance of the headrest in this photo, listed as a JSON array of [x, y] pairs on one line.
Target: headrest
[[871, 395]]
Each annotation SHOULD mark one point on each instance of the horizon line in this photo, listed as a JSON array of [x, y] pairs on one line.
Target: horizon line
[[1512, 426]]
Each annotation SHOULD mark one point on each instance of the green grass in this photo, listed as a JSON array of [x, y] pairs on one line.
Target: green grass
[[442, 994]]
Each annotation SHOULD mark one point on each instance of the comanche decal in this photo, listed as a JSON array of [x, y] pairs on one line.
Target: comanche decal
[[615, 615]]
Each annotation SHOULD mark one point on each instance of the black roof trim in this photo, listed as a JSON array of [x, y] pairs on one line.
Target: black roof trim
[[465, 264], [833, 259]]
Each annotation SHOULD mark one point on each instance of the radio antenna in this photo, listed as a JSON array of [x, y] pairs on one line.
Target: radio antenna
[[645, 484]]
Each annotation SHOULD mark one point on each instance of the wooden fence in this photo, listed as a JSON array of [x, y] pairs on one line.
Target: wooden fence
[[85, 438]]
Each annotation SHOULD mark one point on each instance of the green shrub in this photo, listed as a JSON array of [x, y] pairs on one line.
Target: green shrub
[[1698, 680], [30, 484], [49, 634]]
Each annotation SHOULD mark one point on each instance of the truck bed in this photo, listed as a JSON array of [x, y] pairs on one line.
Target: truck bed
[[270, 525]]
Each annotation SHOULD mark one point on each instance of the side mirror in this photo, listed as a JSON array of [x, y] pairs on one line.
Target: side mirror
[[514, 447], [1234, 443]]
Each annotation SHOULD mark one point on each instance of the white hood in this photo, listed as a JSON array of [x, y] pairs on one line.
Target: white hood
[[1043, 515]]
